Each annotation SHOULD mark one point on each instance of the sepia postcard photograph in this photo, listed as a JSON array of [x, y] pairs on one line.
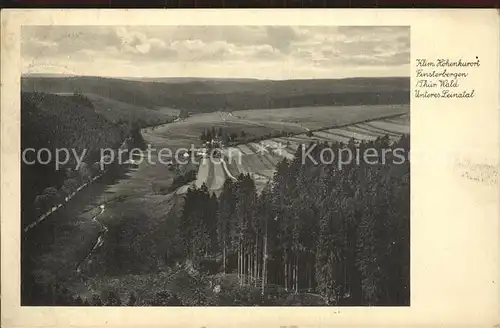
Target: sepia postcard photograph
[[234, 186], [247, 162]]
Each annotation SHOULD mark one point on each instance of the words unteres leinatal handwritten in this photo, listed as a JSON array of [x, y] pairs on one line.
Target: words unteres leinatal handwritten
[[442, 78]]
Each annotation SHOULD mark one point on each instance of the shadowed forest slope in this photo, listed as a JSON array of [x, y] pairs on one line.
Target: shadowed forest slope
[[208, 95]]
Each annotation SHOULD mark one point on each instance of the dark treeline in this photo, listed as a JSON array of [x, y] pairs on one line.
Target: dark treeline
[[212, 95], [340, 233], [55, 122], [222, 135], [81, 99], [183, 178], [65, 122], [230, 137], [57, 295], [242, 101], [213, 133]]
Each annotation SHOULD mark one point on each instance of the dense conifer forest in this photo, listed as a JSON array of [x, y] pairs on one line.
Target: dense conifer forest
[[316, 235], [54, 122], [62, 122], [341, 233]]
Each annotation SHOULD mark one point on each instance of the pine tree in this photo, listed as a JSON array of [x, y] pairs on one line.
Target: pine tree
[[164, 298], [96, 300], [244, 214], [341, 232], [210, 217], [113, 299], [78, 301], [227, 206], [132, 299]]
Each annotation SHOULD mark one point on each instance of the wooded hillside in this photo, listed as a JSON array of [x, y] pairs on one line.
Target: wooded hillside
[[207, 95], [319, 232], [56, 122], [340, 233]]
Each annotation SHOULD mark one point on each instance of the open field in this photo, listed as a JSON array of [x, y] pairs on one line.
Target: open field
[[249, 158], [321, 117], [187, 132], [258, 124]]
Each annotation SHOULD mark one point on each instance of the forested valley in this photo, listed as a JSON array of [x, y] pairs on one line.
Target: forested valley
[[54, 122], [316, 235], [205, 95], [58, 122]]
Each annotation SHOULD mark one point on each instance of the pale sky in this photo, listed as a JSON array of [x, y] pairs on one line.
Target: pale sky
[[268, 52]]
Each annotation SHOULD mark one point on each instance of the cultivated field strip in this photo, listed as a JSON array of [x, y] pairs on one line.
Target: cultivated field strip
[[246, 150], [299, 139], [257, 148], [265, 154], [273, 158], [334, 137], [218, 176], [203, 171], [278, 148], [289, 142], [390, 127], [238, 163], [403, 119], [291, 145], [371, 129], [350, 134], [210, 176], [227, 171], [360, 130], [320, 116], [260, 159], [233, 168], [318, 136], [254, 164]]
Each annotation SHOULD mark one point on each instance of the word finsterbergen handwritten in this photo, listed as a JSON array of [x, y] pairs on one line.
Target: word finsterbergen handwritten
[[445, 62], [444, 73]]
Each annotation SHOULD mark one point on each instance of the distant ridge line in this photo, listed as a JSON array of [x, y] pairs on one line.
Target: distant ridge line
[[202, 79]]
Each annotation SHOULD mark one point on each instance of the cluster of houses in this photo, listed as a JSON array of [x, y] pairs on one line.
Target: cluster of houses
[[209, 148], [212, 148]]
